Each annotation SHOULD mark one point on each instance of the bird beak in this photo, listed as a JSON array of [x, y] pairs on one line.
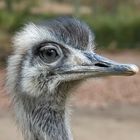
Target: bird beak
[[100, 66], [103, 66]]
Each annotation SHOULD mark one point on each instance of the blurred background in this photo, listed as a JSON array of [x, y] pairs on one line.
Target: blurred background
[[104, 108]]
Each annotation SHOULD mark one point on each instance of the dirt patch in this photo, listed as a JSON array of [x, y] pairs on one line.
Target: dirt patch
[[85, 126]]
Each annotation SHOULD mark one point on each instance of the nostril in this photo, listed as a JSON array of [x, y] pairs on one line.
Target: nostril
[[101, 65]]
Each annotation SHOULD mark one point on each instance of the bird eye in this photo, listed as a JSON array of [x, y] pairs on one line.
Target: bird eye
[[49, 54]]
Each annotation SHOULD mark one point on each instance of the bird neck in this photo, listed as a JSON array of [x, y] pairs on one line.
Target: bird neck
[[45, 118], [50, 124]]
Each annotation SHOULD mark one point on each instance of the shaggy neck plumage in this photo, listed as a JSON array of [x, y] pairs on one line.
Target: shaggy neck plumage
[[45, 117]]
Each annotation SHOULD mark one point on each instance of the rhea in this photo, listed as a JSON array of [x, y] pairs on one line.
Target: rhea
[[50, 59]]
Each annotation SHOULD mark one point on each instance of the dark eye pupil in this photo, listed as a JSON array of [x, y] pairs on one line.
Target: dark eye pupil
[[51, 53]]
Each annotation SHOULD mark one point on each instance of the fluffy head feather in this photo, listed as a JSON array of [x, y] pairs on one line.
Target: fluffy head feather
[[30, 75]]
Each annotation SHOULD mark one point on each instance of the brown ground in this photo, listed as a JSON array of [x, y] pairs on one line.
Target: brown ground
[[104, 109]]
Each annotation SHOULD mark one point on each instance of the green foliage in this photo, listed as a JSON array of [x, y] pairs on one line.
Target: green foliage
[[111, 31], [11, 21], [116, 31]]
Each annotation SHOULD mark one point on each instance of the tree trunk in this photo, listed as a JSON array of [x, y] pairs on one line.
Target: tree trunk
[[9, 5]]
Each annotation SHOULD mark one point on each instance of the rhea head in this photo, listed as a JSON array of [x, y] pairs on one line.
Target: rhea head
[[58, 51]]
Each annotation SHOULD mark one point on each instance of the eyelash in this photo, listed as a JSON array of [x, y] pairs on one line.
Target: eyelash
[[36, 48]]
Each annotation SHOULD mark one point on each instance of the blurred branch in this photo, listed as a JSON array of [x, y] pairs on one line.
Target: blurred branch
[[77, 5], [94, 7]]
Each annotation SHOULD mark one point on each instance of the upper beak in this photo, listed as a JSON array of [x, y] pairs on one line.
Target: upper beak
[[104, 66]]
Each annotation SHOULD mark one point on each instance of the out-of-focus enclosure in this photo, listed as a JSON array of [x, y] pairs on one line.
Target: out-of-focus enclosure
[[105, 108]]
